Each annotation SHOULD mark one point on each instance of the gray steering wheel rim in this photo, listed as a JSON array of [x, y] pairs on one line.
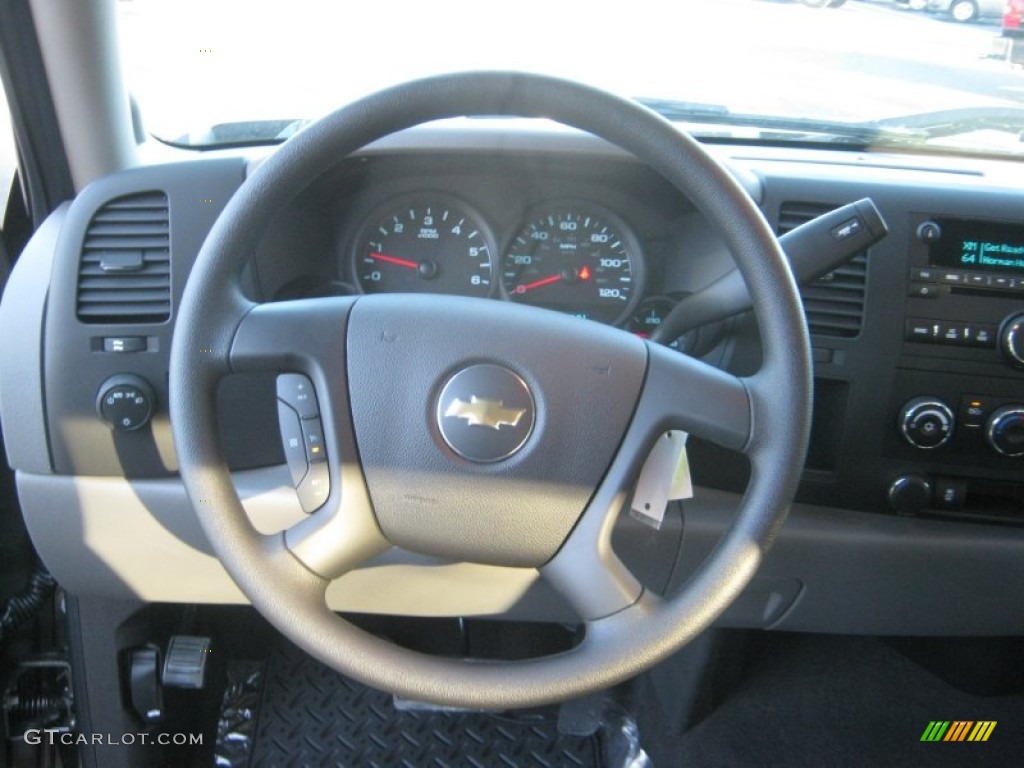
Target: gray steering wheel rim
[[616, 647]]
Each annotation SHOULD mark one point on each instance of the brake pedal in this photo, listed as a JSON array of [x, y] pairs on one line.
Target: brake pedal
[[185, 662]]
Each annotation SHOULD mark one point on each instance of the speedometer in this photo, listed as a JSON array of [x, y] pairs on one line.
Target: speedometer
[[575, 258], [426, 243]]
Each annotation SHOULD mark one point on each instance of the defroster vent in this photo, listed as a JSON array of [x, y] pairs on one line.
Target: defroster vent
[[834, 303], [125, 272]]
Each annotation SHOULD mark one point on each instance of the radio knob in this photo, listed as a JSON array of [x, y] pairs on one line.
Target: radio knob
[[926, 422], [1005, 431], [1011, 339], [929, 232]]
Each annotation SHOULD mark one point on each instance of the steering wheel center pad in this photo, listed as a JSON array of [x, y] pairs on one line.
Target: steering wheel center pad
[[585, 379]]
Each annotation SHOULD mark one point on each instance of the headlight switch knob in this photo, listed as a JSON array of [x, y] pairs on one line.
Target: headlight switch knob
[[126, 402]]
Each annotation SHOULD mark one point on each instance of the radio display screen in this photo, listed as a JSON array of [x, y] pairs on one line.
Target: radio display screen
[[980, 246]]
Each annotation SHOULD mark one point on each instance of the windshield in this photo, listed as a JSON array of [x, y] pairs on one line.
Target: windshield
[[868, 72]]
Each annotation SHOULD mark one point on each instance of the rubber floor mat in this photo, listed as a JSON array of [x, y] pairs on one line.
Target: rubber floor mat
[[310, 715]]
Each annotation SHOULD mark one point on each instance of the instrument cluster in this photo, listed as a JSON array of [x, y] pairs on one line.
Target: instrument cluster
[[567, 255]]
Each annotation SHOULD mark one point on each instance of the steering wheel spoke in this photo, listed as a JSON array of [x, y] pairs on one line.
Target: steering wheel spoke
[[682, 392], [301, 335], [339, 536], [679, 392], [308, 337]]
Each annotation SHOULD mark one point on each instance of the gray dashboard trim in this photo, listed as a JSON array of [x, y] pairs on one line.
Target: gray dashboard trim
[[860, 573], [140, 540], [22, 313], [831, 570]]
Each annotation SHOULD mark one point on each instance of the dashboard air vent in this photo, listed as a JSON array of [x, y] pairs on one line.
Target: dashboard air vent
[[834, 303], [125, 272]]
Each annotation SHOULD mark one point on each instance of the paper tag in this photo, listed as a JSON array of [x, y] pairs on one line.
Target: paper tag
[[665, 477]]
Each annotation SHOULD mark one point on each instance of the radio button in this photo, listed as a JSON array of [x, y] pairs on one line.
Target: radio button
[[922, 331], [953, 278], [923, 291], [951, 333], [983, 336], [977, 281], [924, 275], [1005, 283]]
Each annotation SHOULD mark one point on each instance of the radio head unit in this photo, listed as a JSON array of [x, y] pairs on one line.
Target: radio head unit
[[978, 246]]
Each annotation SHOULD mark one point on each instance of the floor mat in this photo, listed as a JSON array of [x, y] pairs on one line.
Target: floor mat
[[312, 716], [845, 701]]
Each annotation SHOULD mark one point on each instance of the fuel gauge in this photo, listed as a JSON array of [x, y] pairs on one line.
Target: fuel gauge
[[650, 313]]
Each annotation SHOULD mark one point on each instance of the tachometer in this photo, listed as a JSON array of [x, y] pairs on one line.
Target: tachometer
[[425, 244], [575, 258]]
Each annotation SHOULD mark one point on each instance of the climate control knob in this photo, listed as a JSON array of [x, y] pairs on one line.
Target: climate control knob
[[926, 422], [1011, 339], [1005, 430]]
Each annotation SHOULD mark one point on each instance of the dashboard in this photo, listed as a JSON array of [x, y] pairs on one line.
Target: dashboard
[[917, 446]]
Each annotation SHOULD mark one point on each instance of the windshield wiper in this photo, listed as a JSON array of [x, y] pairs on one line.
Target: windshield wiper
[[954, 122], [790, 128], [243, 133]]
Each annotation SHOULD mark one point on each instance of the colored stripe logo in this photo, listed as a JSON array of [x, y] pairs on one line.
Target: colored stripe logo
[[958, 730]]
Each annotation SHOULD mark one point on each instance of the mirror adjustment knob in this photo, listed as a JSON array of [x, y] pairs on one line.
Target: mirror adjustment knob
[[1005, 430], [910, 494], [1011, 339], [926, 422], [126, 402]]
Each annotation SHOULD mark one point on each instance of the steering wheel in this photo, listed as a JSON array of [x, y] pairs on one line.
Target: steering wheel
[[418, 395]]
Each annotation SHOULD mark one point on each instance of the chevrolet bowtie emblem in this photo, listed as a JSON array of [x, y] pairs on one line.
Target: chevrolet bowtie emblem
[[484, 413]]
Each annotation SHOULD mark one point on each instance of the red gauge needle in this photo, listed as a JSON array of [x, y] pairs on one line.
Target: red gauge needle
[[537, 284], [394, 260]]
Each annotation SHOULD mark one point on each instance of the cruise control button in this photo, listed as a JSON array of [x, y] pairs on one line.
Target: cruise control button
[[313, 437], [294, 445], [297, 390], [314, 490]]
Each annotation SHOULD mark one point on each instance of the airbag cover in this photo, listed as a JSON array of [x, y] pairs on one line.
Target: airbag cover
[[584, 378]]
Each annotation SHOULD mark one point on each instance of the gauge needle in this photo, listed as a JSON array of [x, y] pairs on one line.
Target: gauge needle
[[394, 260], [537, 284]]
